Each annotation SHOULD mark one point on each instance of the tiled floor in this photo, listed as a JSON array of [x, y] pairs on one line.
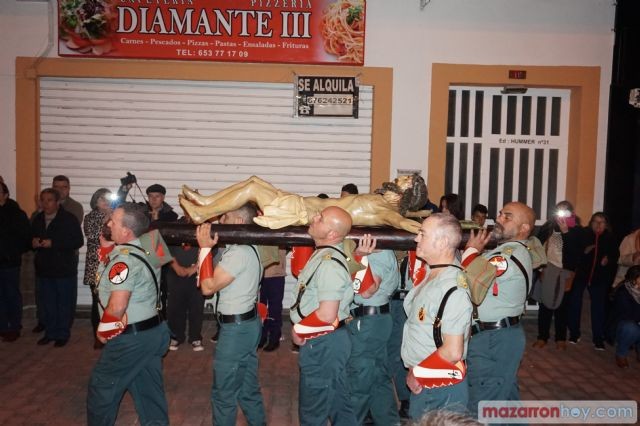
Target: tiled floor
[[47, 385]]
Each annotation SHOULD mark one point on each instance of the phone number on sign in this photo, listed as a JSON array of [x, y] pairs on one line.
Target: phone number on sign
[[329, 100], [222, 53]]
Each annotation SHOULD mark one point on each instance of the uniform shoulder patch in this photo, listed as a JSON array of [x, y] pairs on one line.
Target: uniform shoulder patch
[[326, 256], [124, 251], [118, 273], [421, 314], [462, 281], [508, 251], [501, 264]]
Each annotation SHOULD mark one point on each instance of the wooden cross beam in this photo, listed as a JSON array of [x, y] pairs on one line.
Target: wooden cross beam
[[387, 238]]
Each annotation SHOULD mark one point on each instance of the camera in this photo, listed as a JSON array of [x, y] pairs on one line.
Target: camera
[[129, 179]]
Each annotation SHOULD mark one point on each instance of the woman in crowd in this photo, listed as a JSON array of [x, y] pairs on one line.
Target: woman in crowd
[[93, 224], [561, 237], [627, 315], [452, 204], [595, 271]]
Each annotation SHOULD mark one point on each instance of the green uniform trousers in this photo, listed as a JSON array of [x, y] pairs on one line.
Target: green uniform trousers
[[398, 370], [493, 360], [451, 398], [130, 362], [235, 374], [323, 393], [368, 371]]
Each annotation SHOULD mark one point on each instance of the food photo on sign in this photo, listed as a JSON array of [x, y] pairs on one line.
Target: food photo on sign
[[87, 26], [305, 31]]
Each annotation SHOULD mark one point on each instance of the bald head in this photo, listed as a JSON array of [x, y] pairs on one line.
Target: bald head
[[330, 226], [515, 222]]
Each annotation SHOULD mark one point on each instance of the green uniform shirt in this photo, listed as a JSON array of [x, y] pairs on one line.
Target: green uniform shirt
[[422, 304], [384, 265], [329, 281], [242, 262], [128, 273], [511, 284]]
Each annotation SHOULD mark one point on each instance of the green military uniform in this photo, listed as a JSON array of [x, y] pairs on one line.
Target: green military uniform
[[235, 370], [323, 393], [370, 380], [421, 305], [498, 340], [396, 309], [132, 360]]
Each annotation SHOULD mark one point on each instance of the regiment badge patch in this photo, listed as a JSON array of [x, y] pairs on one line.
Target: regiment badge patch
[[118, 273], [501, 264], [421, 313]]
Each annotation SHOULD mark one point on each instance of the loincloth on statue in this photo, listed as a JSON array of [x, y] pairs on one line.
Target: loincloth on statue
[[284, 210]]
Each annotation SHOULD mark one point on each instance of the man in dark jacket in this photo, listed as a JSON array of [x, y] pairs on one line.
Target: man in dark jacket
[[14, 240], [56, 235], [160, 211]]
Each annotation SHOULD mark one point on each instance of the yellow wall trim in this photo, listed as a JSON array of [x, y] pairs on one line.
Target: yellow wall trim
[[30, 70], [584, 83]]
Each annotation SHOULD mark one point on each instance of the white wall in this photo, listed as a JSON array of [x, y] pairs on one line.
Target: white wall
[[401, 36]]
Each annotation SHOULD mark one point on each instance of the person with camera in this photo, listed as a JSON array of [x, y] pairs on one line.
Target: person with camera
[[234, 281], [561, 237], [498, 341], [134, 335], [93, 224], [56, 238], [436, 333]]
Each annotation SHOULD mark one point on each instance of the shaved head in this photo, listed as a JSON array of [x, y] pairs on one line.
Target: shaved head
[[515, 222], [339, 220], [330, 226]]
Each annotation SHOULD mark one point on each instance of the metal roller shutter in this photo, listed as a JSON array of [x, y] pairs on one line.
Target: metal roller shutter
[[207, 135]]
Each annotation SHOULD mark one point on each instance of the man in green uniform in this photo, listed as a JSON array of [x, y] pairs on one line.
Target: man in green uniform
[[137, 338], [435, 354], [368, 370], [498, 340], [322, 298], [236, 279]]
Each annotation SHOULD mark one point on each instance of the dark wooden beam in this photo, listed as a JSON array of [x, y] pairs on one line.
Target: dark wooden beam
[[387, 238]]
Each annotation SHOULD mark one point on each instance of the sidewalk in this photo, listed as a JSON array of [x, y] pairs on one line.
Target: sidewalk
[[47, 385]]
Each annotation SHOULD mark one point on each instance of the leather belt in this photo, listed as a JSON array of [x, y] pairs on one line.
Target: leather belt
[[237, 318], [361, 311], [142, 325], [503, 323], [400, 294]]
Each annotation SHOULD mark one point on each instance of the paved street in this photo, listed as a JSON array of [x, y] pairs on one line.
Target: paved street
[[47, 385]]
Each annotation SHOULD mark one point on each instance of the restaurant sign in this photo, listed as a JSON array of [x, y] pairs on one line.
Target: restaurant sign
[[326, 96], [280, 31]]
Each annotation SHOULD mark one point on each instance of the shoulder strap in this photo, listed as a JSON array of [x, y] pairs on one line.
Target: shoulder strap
[[303, 287], [259, 263], [520, 265], [437, 323], [524, 271], [404, 265], [151, 271]]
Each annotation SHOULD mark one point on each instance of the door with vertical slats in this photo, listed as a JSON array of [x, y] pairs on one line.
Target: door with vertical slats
[[507, 147]]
